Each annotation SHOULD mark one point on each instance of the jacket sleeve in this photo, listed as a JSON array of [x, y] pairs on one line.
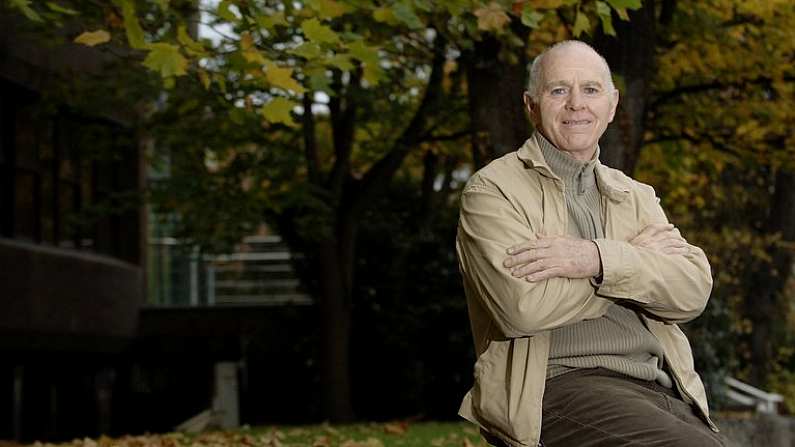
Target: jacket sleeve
[[488, 225], [673, 288]]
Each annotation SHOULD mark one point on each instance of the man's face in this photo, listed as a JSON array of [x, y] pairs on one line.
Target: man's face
[[575, 103]]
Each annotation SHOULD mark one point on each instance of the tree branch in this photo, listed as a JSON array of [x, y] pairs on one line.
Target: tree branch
[[310, 143], [670, 95], [448, 137], [343, 114], [379, 175]]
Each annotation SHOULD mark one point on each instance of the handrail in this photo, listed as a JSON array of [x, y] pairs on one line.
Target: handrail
[[746, 394]]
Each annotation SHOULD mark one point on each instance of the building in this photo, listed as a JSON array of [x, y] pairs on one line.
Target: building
[[71, 257]]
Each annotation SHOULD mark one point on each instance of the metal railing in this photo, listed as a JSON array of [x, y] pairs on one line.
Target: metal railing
[[745, 394], [259, 273]]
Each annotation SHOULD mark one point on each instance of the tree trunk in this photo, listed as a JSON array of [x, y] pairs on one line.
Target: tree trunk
[[335, 259], [631, 58], [767, 285], [495, 100]]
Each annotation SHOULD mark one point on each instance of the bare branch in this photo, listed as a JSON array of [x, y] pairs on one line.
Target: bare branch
[[310, 143]]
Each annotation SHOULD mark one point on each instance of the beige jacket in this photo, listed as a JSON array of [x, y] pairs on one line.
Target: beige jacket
[[511, 200]]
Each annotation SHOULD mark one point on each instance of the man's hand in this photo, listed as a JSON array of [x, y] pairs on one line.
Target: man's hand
[[664, 238], [550, 257]]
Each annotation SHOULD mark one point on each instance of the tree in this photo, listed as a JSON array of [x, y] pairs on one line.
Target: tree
[[717, 145], [357, 86]]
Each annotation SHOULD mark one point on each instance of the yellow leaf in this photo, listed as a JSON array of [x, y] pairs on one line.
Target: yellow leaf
[[492, 17], [278, 111], [282, 77], [93, 38]]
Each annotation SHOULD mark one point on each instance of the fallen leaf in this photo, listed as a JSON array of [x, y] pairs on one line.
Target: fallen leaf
[[321, 441], [396, 428]]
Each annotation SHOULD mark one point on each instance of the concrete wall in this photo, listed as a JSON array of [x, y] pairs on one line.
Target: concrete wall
[[57, 299], [758, 430]]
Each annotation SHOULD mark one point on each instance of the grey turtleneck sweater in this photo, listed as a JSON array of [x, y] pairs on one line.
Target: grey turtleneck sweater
[[619, 340]]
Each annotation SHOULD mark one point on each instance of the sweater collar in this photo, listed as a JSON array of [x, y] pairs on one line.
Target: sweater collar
[[614, 185], [577, 175]]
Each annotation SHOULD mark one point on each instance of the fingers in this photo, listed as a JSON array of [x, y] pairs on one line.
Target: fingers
[[541, 242], [527, 251]]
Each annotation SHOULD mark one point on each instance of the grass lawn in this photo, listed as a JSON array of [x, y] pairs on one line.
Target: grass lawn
[[392, 434]]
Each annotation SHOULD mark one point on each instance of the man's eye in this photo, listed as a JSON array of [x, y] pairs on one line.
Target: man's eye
[[591, 90], [557, 91]]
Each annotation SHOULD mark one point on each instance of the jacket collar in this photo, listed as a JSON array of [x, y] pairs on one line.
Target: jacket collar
[[615, 187]]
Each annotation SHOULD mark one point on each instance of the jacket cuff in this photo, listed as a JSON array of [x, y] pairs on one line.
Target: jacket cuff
[[618, 268]]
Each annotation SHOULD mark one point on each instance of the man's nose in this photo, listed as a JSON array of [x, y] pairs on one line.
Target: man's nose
[[575, 100]]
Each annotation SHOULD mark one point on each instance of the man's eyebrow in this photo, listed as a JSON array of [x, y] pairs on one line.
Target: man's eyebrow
[[557, 83], [590, 83]]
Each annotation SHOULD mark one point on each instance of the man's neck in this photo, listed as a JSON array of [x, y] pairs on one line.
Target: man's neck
[[580, 156]]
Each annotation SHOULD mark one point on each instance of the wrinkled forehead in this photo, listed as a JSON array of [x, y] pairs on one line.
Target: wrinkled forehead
[[562, 63]]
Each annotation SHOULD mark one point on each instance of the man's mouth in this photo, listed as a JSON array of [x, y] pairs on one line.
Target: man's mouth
[[576, 122]]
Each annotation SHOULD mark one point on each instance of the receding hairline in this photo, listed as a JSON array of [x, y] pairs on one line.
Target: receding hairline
[[535, 67]]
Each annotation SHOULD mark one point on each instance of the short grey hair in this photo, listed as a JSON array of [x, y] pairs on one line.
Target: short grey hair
[[534, 69]]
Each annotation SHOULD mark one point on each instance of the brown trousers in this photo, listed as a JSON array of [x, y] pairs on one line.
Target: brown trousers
[[601, 408]]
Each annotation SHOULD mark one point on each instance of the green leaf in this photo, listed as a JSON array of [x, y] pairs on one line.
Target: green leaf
[[135, 34], [307, 50], [457, 7], [93, 38], [317, 32], [166, 59], [184, 38], [531, 18], [366, 54], [220, 79], [341, 61], [621, 7], [225, 12], [24, 7], [318, 79], [204, 78], [373, 74], [328, 9], [271, 20], [606, 17], [425, 5], [581, 23], [405, 13], [249, 51], [282, 77], [385, 14], [60, 9], [277, 110]]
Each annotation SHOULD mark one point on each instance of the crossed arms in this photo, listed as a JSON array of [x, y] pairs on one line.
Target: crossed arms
[[531, 283]]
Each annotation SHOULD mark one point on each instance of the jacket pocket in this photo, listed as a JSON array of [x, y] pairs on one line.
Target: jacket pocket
[[510, 380]]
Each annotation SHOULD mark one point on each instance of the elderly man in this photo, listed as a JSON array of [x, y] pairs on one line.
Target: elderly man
[[575, 283]]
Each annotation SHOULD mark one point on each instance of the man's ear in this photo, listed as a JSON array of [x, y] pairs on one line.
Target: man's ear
[[615, 106], [530, 106]]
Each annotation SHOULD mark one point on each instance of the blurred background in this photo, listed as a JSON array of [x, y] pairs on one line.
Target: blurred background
[[244, 211]]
